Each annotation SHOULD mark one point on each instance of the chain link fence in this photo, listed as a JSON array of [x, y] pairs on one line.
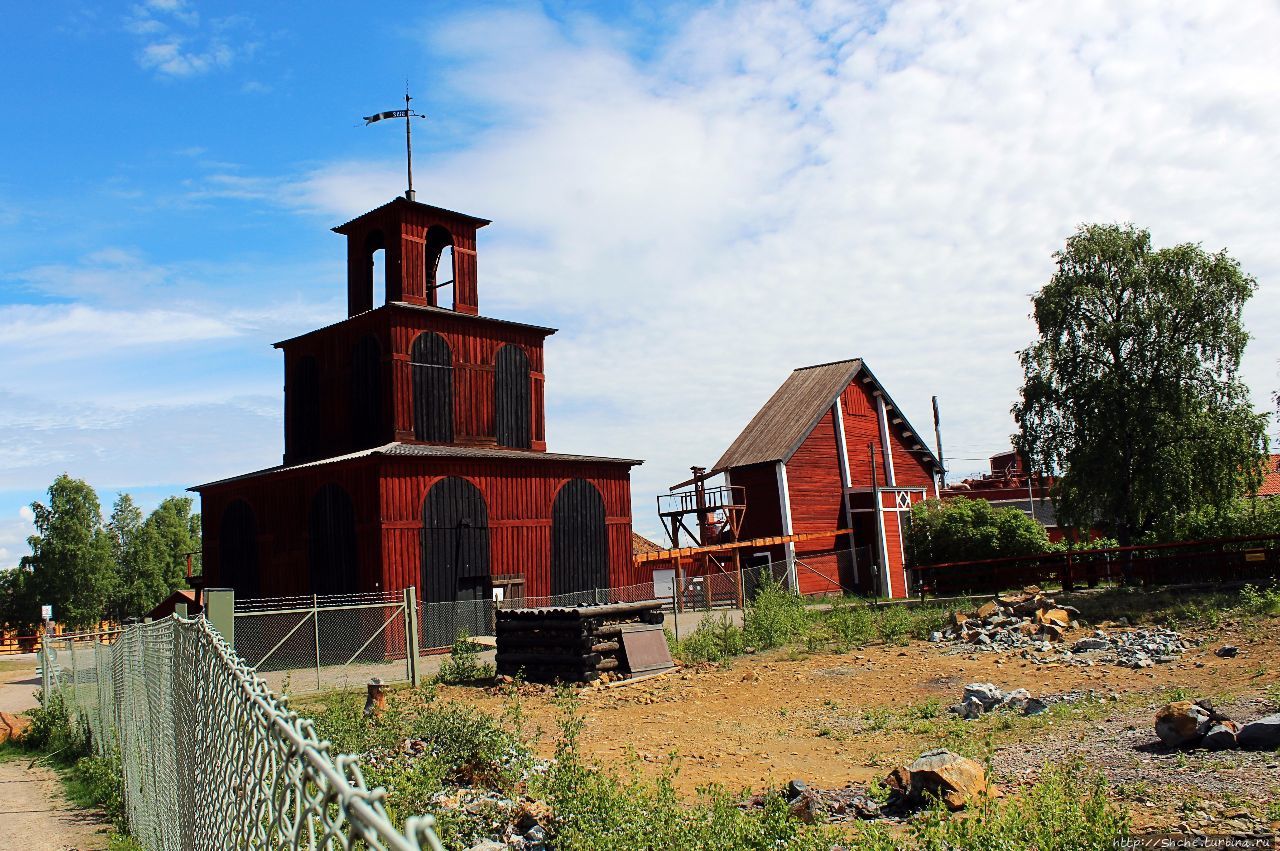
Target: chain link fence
[[311, 643], [211, 758]]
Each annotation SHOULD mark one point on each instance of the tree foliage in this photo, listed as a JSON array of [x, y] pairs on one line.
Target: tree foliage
[[970, 529], [1245, 517], [71, 564], [88, 570], [1132, 394]]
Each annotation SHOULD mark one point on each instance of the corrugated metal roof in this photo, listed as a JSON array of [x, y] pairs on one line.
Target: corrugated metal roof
[[420, 450], [778, 428]]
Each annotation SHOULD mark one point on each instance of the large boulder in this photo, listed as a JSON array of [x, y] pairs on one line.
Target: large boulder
[[13, 727], [1261, 735], [940, 774], [1182, 724]]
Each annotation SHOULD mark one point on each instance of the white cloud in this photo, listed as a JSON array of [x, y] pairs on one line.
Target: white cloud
[[786, 185], [176, 44]]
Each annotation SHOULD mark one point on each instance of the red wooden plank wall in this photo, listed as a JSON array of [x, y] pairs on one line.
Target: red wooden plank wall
[[387, 493], [474, 344], [813, 479]]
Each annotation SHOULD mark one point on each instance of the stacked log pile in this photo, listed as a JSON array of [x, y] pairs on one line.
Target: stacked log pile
[[576, 644]]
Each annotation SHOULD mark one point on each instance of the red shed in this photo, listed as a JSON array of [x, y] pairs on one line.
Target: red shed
[[831, 451], [415, 446]]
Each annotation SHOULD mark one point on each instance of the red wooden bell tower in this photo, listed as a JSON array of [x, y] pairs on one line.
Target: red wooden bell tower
[[415, 446]]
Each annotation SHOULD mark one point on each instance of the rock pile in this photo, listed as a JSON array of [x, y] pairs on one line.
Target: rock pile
[[1190, 724], [1011, 620], [1033, 622], [980, 698]]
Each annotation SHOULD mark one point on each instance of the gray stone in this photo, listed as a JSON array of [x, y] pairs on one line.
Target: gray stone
[[1227, 651], [935, 637], [1035, 706], [988, 694], [1016, 699], [968, 710], [1182, 723], [488, 845], [796, 788], [1261, 735], [536, 835], [1221, 736], [1086, 644]]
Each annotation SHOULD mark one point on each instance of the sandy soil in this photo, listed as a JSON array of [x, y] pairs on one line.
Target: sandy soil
[[832, 719], [36, 817]]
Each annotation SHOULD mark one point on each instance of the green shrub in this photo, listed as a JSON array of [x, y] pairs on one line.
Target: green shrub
[[775, 617], [851, 624], [894, 623], [463, 664], [714, 639], [51, 730], [98, 783]]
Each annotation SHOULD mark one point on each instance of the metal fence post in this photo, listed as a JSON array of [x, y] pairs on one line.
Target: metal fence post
[[411, 632], [315, 621], [220, 610]]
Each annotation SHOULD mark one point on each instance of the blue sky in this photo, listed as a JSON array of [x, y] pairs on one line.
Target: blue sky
[[746, 186]]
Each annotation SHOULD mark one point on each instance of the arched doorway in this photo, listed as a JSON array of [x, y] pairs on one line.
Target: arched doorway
[[579, 539], [332, 555], [455, 543]]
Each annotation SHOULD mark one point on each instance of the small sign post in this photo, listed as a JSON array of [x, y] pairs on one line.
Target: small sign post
[[46, 612]]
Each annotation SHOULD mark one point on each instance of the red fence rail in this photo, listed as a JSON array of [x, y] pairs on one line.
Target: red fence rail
[[1253, 559]]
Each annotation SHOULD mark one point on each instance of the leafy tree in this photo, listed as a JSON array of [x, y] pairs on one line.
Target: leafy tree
[[19, 608], [150, 555], [1132, 394], [70, 565], [1247, 516], [970, 529]]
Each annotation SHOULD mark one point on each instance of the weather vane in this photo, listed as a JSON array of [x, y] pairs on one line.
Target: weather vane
[[406, 114]]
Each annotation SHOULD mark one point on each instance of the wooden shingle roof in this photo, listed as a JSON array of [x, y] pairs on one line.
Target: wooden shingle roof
[[792, 412], [778, 428]]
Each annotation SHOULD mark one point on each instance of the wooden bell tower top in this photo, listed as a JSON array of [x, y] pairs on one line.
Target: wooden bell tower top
[[413, 236]]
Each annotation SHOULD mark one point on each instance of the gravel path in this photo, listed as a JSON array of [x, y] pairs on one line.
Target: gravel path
[[37, 817]]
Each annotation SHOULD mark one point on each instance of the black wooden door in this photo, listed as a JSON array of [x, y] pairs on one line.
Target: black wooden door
[[366, 393], [512, 408], [455, 543], [579, 539], [238, 550], [432, 388], [332, 554]]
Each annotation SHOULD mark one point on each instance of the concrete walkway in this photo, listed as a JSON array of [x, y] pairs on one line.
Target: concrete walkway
[[36, 816], [18, 687]]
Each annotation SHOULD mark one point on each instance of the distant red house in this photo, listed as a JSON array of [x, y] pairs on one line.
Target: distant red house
[[415, 447], [1271, 480], [831, 451]]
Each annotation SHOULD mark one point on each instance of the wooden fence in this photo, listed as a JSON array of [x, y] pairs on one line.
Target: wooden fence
[[1246, 559]]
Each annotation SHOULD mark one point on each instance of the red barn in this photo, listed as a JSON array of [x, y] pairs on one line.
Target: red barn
[[830, 451], [415, 447]]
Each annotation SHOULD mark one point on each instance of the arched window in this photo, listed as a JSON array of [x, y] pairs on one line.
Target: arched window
[[512, 408], [302, 409], [579, 539], [238, 549], [375, 245], [455, 543], [432, 366], [366, 393], [440, 268], [332, 557]]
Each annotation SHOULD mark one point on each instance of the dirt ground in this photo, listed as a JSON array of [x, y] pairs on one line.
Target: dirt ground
[[834, 719], [36, 816]]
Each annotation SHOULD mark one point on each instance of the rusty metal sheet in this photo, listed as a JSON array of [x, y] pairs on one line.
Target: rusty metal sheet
[[644, 648]]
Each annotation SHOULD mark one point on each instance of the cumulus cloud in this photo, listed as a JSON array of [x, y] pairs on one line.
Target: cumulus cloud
[[778, 186], [176, 43]]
